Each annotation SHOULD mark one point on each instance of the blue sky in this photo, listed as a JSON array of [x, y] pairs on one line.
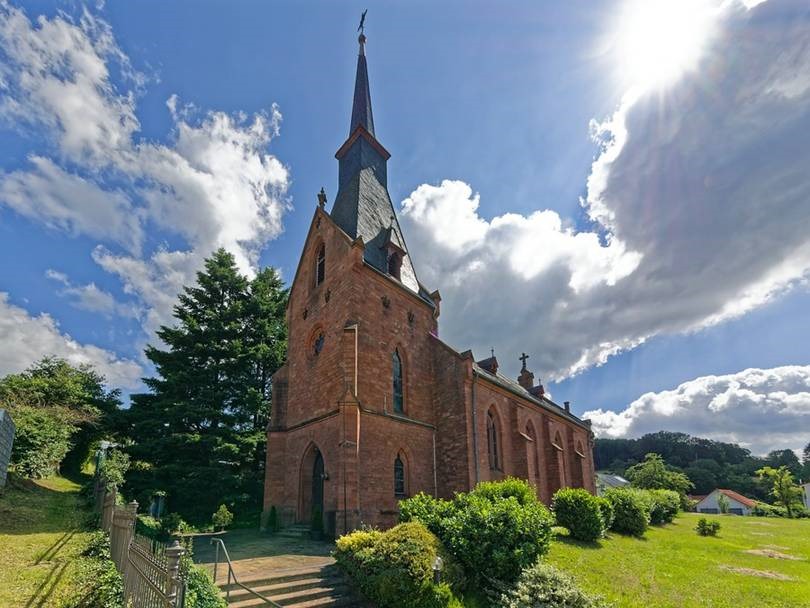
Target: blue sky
[[665, 258]]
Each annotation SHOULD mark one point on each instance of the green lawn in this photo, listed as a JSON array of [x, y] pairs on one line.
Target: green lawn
[[674, 567], [40, 539]]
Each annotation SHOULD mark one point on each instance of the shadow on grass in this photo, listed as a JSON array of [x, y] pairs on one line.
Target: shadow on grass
[[581, 544], [27, 507], [43, 593]]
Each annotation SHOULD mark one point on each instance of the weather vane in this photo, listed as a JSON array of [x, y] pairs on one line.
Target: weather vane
[[362, 25]]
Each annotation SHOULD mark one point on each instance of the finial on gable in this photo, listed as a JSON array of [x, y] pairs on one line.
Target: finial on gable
[[322, 198]]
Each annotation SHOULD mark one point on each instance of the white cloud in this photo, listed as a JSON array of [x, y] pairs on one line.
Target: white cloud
[[26, 339], [762, 409], [68, 202], [699, 199], [213, 184], [92, 298]]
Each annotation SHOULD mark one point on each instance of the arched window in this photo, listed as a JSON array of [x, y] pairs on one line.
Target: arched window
[[396, 373], [320, 265], [394, 264], [399, 477], [492, 442]]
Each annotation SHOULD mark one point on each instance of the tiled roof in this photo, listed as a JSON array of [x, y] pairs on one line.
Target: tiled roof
[[738, 497]]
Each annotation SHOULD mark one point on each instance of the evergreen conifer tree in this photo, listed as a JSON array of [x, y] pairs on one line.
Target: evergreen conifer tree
[[198, 435]]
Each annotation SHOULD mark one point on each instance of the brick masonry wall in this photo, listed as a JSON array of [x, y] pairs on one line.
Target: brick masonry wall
[[6, 441], [339, 402]]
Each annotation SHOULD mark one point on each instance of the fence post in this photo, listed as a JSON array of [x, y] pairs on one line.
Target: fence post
[[129, 534], [107, 510], [173, 555]]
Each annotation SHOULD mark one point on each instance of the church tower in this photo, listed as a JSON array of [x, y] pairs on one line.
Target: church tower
[[352, 429]]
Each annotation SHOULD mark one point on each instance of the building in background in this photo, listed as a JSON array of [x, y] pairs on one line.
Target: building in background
[[737, 503]]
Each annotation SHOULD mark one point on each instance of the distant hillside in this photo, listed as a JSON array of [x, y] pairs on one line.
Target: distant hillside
[[709, 464]]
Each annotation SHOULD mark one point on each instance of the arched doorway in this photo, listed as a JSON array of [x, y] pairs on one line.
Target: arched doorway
[[313, 473], [317, 483]]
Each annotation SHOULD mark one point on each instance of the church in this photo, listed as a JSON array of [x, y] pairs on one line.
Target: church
[[371, 405]]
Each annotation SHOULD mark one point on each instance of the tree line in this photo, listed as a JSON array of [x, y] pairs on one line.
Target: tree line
[[197, 435], [706, 463]]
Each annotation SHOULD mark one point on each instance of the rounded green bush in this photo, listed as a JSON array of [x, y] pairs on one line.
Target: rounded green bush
[[631, 511], [497, 532], [666, 504], [431, 512], [543, 586], [395, 568], [580, 512], [606, 508]]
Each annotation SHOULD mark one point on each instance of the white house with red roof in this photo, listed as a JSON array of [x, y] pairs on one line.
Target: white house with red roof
[[737, 503]]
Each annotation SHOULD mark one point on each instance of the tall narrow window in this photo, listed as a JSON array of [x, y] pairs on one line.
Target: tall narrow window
[[320, 265], [397, 382], [492, 442], [399, 478], [394, 264]]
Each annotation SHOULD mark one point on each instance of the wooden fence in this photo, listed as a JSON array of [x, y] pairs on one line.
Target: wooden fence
[[150, 570]]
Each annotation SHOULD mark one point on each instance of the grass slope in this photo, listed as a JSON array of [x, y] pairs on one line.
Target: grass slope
[[40, 539], [674, 567]]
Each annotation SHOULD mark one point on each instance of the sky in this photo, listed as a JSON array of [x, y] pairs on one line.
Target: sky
[[617, 188]]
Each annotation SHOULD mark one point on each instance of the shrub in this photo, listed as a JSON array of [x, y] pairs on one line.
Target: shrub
[[222, 518], [762, 509], [41, 441], [494, 531], [431, 512], [606, 507], [113, 468], [101, 585], [631, 511], [150, 528], [579, 511], [707, 527], [172, 524], [395, 568], [543, 586], [201, 592], [666, 504]]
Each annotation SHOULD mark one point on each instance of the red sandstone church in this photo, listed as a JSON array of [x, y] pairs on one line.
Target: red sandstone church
[[371, 406]]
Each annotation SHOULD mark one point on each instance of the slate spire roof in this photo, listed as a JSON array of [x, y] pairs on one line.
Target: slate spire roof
[[363, 207], [361, 107]]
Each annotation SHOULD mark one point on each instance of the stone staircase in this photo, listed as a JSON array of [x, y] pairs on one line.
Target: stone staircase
[[319, 587], [294, 531]]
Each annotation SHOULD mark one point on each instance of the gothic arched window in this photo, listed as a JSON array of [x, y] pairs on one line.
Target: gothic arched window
[[399, 477], [396, 373], [320, 265], [492, 442]]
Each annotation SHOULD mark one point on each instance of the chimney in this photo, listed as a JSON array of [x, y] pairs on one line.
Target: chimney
[[538, 391], [567, 405]]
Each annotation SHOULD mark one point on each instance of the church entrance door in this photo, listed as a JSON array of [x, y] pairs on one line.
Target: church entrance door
[[317, 484]]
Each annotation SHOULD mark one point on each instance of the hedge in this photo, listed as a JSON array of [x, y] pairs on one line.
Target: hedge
[[543, 586]]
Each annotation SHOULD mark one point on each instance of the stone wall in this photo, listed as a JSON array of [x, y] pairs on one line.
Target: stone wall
[[6, 440]]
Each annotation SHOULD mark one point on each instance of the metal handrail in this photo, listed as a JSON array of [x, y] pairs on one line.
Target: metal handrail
[[218, 542]]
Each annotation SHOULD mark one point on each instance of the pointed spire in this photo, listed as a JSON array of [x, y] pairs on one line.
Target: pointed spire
[[361, 108]]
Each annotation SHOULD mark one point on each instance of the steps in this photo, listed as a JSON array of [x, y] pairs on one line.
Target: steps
[[322, 587], [294, 531]]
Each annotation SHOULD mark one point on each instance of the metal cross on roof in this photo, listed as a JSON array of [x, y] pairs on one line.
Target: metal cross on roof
[[523, 358], [361, 27]]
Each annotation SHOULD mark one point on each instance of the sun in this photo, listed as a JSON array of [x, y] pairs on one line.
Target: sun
[[656, 41]]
